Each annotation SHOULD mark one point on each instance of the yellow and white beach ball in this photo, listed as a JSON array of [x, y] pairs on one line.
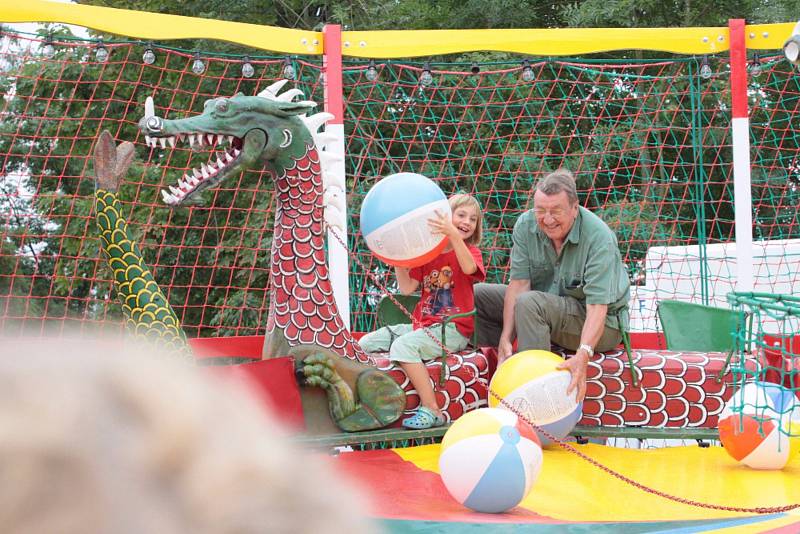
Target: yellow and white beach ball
[[531, 383]]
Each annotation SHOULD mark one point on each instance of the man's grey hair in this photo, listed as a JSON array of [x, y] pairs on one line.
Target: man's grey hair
[[560, 180]]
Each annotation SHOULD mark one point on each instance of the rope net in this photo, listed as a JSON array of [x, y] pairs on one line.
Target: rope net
[[649, 141], [769, 329]]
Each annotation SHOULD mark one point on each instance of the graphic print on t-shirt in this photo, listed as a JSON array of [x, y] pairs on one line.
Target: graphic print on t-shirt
[[438, 294]]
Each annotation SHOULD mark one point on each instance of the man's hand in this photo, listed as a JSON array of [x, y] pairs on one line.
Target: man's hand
[[504, 351], [577, 368]]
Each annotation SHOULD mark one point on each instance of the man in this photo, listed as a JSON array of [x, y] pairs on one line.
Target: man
[[568, 283]]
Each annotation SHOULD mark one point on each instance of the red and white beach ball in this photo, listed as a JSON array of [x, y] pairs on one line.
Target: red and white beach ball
[[394, 219], [759, 425]]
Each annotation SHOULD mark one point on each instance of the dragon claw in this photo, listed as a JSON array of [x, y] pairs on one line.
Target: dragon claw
[[370, 400]]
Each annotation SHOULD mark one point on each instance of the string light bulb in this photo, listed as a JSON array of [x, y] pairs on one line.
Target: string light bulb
[[372, 71], [527, 71], [755, 67], [101, 52], [198, 67], [149, 57], [426, 78], [791, 48], [289, 72], [474, 69], [48, 48], [247, 68], [705, 69]]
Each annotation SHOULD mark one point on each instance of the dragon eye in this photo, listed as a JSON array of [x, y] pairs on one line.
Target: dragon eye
[[221, 105]]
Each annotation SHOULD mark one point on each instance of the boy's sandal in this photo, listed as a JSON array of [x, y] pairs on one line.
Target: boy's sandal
[[423, 418]]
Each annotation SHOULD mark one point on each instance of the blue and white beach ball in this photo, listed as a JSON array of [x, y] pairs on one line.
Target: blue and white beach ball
[[490, 460], [531, 383], [394, 219]]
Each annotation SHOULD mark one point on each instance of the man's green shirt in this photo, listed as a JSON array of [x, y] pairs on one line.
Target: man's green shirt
[[589, 268]]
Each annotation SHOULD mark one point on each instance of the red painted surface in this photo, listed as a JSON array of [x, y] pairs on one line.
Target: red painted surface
[[244, 346], [273, 384], [332, 67], [782, 362], [738, 54], [401, 490]]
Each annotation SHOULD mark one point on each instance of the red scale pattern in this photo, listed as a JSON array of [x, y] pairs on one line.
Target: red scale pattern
[[675, 389], [301, 298], [466, 386]]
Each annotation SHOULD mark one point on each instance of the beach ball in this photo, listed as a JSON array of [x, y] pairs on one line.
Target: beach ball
[[531, 383], [489, 460], [756, 424], [394, 219]]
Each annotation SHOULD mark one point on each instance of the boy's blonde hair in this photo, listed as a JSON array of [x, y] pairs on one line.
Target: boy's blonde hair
[[463, 199]]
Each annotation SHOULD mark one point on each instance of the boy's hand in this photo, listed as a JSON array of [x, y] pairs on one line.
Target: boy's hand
[[443, 224]]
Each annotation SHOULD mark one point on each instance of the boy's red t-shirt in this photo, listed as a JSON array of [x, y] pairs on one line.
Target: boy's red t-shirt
[[446, 290]]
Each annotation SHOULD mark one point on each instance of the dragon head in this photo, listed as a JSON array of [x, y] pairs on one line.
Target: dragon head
[[252, 131]]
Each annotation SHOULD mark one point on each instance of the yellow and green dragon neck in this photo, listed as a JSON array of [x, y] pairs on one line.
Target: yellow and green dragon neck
[[271, 130], [148, 314]]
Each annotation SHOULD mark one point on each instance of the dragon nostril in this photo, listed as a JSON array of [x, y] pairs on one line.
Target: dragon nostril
[[154, 124]]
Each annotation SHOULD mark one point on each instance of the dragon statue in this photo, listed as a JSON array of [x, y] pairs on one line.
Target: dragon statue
[[268, 130], [671, 389]]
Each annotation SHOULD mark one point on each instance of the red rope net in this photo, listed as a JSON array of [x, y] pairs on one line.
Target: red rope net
[[648, 140]]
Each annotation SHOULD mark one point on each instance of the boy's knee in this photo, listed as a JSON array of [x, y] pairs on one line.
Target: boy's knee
[[370, 343], [404, 350]]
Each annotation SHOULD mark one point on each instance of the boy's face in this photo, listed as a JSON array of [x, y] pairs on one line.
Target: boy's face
[[466, 220]]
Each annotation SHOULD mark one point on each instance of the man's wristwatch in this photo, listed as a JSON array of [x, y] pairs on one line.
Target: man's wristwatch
[[587, 348]]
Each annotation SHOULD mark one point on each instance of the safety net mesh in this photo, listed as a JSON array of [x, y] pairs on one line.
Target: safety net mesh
[[768, 329], [649, 142]]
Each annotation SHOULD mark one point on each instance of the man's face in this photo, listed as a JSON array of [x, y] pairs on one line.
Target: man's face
[[554, 214]]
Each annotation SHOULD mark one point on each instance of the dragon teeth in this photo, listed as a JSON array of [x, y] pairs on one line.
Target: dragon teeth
[[228, 157], [171, 141], [219, 163], [230, 139], [163, 142], [175, 191], [191, 180], [236, 151], [204, 171], [169, 199], [220, 137], [211, 138], [191, 140]]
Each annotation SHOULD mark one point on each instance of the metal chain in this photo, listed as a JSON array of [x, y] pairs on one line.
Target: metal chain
[[563, 444]]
